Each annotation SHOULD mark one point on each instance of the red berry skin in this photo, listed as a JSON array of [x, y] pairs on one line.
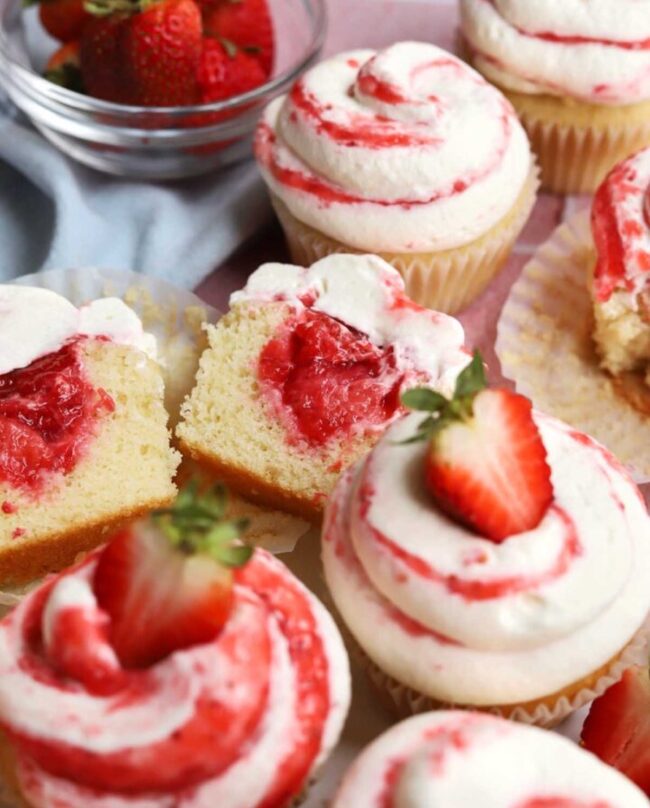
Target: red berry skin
[[246, 23], [617, 728], [67, 54], [100, 58], [63, 19], [491, 473], [223, 76], [160, 50]]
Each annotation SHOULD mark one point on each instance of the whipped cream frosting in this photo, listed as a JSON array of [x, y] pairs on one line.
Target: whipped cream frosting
[[452, 759], [620, 223], [432, 603], [35, 322], [596, 51], [367, 294], [156, 709], [380, 150]]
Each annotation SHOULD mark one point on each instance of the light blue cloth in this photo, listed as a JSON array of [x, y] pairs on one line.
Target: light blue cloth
[[56, 213]]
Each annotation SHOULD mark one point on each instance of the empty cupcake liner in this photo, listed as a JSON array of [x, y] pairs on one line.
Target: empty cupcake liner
[[403, 701], [448, 280], [544, 343]]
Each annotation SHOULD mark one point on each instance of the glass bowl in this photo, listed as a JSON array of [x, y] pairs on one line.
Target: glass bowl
[[149, 142]]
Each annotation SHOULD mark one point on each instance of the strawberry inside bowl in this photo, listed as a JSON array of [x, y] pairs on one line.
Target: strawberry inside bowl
[[155, 89]]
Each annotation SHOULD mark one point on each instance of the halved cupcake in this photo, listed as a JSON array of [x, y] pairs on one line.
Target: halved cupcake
[[84, 443], [306, 371]]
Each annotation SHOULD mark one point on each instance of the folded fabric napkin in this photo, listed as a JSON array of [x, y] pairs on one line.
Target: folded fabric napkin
[[55, 213]]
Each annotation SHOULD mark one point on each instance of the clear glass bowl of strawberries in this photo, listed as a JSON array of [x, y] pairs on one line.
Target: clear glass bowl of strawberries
[[157, 89]]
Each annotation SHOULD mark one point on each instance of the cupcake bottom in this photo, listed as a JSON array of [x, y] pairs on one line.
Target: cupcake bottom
[[577, 143], [548, 711], [448, 280]]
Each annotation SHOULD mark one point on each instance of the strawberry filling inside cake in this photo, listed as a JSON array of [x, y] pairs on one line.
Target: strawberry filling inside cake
[[328, 378], [48, 412], [153, 676]]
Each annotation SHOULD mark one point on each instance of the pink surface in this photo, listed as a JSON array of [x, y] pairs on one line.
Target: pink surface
[[375, 23]]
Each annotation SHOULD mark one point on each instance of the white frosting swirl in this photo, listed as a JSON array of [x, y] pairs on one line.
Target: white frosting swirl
[[431, 602], [456, 760], [174, 692], [35, 322], [379, 150], [596, 50], [367, 294]]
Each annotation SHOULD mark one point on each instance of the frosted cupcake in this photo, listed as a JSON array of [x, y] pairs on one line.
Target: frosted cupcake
[[501, 563], [455, 760], [175, 667], [577, 73], [378, 152]]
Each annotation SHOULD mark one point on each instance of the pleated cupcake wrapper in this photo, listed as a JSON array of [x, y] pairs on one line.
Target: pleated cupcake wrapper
[[176, 317], [447, 281], [403, 701], [545, 345], [575, 159]]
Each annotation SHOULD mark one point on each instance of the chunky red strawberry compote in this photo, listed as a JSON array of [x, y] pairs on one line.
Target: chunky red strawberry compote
[[239, 720], [47, 415], [329, 377], [462, 759]]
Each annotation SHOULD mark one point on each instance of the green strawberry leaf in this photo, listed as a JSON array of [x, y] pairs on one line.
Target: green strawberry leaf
[[471, 379], [423, 398]]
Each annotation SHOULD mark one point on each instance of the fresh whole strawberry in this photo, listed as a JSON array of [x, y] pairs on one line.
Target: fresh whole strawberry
[[160, 50], [167, 584], [486, 462], [617, 728], [144, 52], [63, 19], [100, 58], [246, 23], [64, 67], [225, 71]]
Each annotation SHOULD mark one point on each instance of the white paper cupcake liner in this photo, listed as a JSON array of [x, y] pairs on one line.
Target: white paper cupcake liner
[[175, 317], [544, 343], [403, 701]]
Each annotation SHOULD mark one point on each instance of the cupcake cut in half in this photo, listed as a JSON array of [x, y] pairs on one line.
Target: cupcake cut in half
[[578, 75], [84, 443], [488, 556], [451, 759], [305, 372], [379, 152], [174, 667]]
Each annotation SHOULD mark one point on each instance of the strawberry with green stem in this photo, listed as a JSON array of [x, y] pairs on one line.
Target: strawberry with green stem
[[486, 463], [245, 23], [167, 584], [64, 67]]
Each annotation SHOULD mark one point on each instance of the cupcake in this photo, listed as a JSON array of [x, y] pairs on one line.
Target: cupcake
[[305, 372], [453, 759], [574, 333], [489, 557], [379, 153], [175, 667], [578, 75], [81, 400]]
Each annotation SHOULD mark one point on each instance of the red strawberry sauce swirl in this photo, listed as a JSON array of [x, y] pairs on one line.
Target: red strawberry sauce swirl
[[379, 137], [461, 759], [253, 710], [48, 414], [621, 228]]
